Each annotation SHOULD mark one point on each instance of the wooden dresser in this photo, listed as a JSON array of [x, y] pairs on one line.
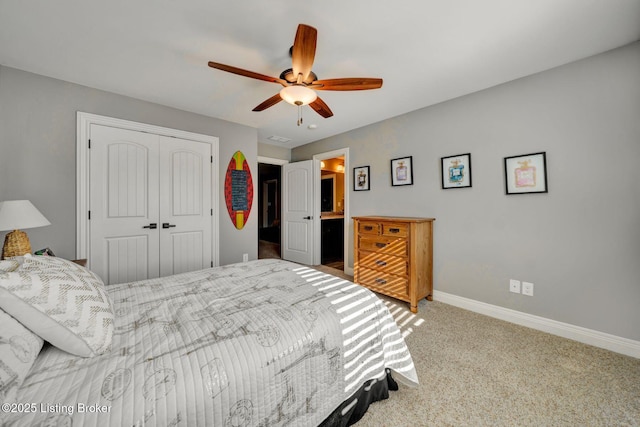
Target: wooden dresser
[[394, 256]]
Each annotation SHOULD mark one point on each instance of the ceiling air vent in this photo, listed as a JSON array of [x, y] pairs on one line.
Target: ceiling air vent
[[280, 139]]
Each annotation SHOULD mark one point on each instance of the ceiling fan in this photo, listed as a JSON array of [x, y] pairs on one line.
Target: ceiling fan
[[299, 82]]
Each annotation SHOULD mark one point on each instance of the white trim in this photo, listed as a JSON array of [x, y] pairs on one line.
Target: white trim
[[347, 190], [587, 336], [84, 122], [272, 160]]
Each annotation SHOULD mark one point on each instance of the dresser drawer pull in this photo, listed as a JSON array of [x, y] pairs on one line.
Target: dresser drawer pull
[[368, 227], [380, 281], [380, 245], [394, 230], [380, 262]]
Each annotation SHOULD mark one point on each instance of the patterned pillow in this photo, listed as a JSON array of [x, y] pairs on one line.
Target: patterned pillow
[[8, 265], [19, 348], [60, 301]]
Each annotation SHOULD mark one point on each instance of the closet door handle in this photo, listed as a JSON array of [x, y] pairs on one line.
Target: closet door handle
[[152, 226], [307, 217], [167, 225]]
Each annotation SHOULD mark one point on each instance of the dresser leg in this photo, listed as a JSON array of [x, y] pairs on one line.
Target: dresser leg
[[414, 308], [429, 297]]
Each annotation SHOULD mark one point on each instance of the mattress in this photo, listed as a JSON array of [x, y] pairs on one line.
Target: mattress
[[263, 343]]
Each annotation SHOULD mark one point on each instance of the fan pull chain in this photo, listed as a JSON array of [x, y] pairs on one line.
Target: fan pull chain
[[299, 115]]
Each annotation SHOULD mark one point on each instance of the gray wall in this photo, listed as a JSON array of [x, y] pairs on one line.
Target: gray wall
[[273, 151], [579, 244], [38, 153]]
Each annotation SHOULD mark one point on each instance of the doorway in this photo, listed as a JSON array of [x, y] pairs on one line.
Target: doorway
[[301, 209], [269, 210], [333, 194], [332, 212]]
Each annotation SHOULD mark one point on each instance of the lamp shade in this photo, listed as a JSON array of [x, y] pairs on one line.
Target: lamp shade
[[298, 95], [20, 214]]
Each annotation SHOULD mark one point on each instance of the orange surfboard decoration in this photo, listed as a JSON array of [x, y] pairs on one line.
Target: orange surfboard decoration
[[238, 190]]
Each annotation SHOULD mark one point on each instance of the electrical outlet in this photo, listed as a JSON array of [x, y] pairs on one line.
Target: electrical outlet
[[527, 288], [245, 257], [514, 286]]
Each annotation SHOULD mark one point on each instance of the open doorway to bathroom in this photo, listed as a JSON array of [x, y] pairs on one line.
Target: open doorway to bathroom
[[269, 203], [332, 192]]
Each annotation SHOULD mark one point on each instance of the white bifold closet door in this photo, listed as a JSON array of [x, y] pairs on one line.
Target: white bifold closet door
[[150, 205]]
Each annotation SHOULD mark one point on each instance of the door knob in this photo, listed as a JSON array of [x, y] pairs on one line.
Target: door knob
[[152, 226], [167, 225], [307, 217]]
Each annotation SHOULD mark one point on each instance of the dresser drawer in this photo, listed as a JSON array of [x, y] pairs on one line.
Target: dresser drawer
[[387, 245], [388, 263], [368, 227], [394, 230], [385, 283], [393, 256]]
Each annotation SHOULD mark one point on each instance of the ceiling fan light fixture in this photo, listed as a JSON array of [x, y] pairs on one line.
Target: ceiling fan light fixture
[[300, 81], [298, 95]]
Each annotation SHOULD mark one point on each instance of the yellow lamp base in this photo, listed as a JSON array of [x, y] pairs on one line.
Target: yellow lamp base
[[16, 244]]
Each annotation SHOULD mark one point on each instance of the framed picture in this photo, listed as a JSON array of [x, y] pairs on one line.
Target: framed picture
[[526, 174], [361, 179], [456, 171], [402, 171]]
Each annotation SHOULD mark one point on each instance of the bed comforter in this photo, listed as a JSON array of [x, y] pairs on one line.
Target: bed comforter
[[264, 343]]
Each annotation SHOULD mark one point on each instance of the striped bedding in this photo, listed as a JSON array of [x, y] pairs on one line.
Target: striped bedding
[[263, 343]]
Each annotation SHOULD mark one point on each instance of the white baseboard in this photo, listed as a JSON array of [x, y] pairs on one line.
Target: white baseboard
[[587, 336], [348, 270]]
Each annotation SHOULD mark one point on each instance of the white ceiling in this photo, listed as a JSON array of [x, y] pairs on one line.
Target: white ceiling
[[427, 51]]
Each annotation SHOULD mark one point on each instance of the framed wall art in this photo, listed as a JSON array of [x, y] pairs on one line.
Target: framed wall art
[[526, 174], [456, 171], [361, 179], [402, 171]]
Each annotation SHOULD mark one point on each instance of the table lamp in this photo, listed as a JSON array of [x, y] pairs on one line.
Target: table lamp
[[16, 214]]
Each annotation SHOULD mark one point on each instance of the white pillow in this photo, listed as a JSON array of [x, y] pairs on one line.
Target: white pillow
[[62, 302], [19, 348], [8, 265]]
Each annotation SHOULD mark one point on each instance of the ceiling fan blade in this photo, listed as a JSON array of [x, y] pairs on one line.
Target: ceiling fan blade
[[321, 108], [269, 103], [351, 83], [304, 51], [246, 73]]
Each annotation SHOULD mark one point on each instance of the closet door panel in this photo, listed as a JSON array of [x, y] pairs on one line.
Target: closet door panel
[[185, 206], [187, 249], [124, 201], [127, 258]]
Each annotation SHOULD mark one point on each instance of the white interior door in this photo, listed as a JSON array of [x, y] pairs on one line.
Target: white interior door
[[298, 211], [124, 204], [150, 203], [185, 206]]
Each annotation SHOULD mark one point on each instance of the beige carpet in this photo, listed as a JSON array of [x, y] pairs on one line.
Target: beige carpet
[[478, 371], [475, 370]]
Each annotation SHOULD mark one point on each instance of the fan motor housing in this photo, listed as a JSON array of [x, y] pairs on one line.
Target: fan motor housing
[[288, 76]]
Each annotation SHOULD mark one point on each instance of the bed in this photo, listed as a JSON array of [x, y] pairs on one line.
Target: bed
[[263, 343]]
